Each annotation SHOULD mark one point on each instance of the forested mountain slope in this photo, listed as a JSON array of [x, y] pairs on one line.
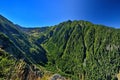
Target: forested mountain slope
[[77, 50], [20, 45], [83, 50]]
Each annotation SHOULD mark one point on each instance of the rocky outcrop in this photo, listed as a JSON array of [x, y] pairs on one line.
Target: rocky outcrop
[[23, 71], [57, 77]]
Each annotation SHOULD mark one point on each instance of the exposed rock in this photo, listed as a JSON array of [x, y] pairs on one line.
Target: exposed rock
[[24, 71], [118, 76], [57, 77], [112, 47]]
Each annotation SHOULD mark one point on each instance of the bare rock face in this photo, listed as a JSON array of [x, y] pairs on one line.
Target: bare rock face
[[112, 47], [24, 71], [57, 77]]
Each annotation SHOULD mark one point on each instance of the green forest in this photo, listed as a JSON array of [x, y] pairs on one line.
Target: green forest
[[77, 50]]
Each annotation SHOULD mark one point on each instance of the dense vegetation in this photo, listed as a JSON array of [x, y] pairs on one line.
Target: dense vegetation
[[78, 50], [20, 43], [83, 50], [6, 64]]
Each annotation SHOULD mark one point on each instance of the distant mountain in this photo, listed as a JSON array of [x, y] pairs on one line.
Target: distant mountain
[[30, 30], [77, 50]]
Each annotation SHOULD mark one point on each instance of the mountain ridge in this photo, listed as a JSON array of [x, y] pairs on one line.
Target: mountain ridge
[[77, 50]]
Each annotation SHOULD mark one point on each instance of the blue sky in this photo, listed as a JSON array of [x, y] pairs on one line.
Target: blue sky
[[35, 13]]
